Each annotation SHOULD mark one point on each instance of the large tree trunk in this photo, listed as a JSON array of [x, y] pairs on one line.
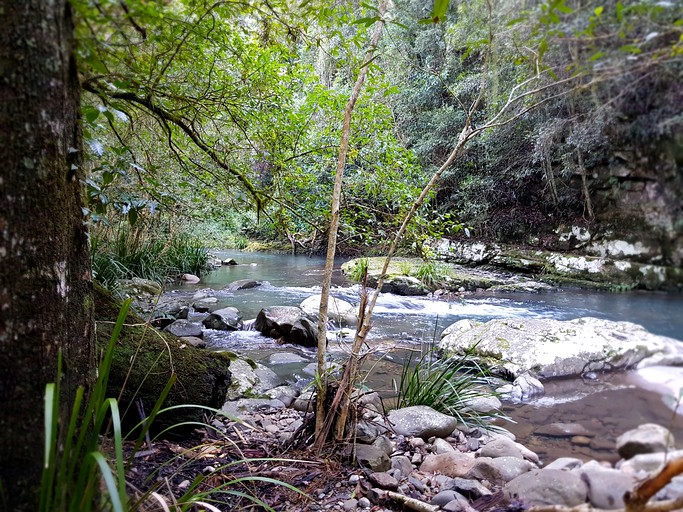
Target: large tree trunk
[[45, 285]]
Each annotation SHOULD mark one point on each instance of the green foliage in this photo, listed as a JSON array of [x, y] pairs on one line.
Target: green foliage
[[359, 271], [431, 274], [74, 461], [134, 253], [78, 458], [447, 386]]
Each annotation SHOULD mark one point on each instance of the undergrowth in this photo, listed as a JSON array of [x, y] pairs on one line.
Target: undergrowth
[[449, 386], [85, 467]]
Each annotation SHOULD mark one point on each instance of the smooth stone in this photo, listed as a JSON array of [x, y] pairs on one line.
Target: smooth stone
[[442, 498], [384, 444], [286, 394], [442, 446], [501, 447], [648, 462], [383, 480], [471, 489], [547, 487], [421, 421], [242, 284], [305, 402], [647, 438], [511, 467], [182, 328], [190, 278], [225, 319], [581, 441], [606, 487], [563, 430], [402, 464], [484, 469], [483, 404], [350, 505], [566, 463], [372, 457], [453, 464]]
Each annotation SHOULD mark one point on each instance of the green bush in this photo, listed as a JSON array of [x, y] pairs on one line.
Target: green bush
[[447, 386], [132, 254]]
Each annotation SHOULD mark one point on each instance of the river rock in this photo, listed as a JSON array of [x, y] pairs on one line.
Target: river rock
[[606, 487], [340, 311], [554, 348], [183, 328], [647, 438], [189, 278], [402, 285], [228, 261], [471, 489], [402, 464], [563, 430], [226, 319], [547, 487], [648, 462], [453, 464], [242, 284], [372, 457], [383, 480], [510, 468], [289, 324], [501, 447], [421, 421]]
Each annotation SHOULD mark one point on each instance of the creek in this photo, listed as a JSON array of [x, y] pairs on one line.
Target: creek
[[607, 406]]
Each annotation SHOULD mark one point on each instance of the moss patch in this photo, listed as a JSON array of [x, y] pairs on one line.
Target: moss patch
[[145, 359]]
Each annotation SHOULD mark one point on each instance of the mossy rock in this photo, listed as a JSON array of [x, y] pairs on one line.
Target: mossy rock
[[145, 359]]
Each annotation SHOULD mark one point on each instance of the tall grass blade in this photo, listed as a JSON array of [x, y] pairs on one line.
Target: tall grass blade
[[109, 481]]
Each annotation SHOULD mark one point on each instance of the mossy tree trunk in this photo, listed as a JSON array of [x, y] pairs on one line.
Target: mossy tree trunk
[[45, 285]]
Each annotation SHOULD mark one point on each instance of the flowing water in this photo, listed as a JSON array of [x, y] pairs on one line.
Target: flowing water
[[606, 407]]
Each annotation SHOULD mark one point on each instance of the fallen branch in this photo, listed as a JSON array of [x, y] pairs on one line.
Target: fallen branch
[[406, 501]]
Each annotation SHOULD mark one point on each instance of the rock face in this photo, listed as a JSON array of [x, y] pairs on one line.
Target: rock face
[[553, 348], [604, 263], [339, 311], [422, 421], [289, 324], [226, 319]]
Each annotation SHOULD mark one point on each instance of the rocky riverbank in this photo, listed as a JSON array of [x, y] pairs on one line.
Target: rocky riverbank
[[417, 459]]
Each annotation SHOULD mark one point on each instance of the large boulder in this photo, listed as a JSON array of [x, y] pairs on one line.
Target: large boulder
[[339, 311], [144, 361], [422, 421], [647, 438], [287, 324], [226, 319], [182, 328], [547, 487], [554, 348], [242, 284]]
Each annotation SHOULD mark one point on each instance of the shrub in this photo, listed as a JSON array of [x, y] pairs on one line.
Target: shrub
[[448, 386]]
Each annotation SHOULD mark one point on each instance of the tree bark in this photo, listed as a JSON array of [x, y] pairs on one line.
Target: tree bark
[[45, 276]]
